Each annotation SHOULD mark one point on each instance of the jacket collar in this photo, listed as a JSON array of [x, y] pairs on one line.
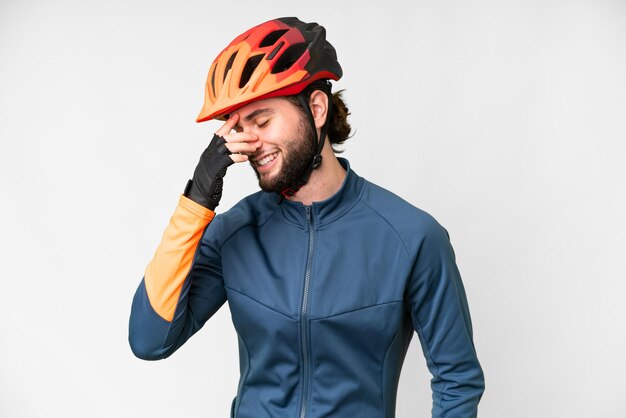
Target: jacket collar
[[330, 209]]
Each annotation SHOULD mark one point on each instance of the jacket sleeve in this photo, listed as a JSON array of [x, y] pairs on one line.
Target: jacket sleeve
[[182, 286], [441, 318]]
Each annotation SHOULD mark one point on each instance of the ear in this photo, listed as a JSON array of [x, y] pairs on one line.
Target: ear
[[318, 101]]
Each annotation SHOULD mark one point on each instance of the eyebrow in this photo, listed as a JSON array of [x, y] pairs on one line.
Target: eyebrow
[[258, 112]]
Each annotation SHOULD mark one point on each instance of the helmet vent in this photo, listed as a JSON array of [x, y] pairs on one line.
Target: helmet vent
[[213, 78], [249, 68], [229, 64], [289, 57], [272, 37], [275, 51]]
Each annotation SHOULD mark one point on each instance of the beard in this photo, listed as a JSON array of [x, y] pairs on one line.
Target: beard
[[297, 159]]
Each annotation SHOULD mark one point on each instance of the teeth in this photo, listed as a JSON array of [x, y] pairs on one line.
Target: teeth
[[267, 159]]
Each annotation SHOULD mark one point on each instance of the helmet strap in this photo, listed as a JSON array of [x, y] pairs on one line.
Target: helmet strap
[[318, 144]]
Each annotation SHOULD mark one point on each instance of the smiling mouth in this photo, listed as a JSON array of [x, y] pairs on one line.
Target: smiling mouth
[[266, 160]]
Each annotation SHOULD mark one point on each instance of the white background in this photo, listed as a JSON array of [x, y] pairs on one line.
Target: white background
[[503, 119]]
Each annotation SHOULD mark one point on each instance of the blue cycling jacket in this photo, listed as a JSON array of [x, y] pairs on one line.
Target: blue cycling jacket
[[324, 298]]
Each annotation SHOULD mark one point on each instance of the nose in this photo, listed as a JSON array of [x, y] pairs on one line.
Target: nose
[[256, 143], [253, 131]]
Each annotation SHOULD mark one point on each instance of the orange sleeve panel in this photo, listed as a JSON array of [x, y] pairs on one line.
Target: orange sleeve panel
[[172, 260]]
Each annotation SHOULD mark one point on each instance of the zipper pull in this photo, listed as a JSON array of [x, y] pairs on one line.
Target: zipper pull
[[308, 213]]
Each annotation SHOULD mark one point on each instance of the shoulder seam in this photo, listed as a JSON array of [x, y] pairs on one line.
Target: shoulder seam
[[247, 225], [408, 253]]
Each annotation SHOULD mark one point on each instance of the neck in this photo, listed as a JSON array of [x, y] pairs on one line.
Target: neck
[[325, 181]]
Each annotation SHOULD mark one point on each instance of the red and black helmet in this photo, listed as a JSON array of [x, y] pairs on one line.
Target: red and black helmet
[[276, 58]]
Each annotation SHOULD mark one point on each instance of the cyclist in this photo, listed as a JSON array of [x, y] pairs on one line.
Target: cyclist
[[326, 275]]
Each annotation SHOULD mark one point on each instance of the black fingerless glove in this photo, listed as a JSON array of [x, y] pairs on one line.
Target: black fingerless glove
[[205, 188]]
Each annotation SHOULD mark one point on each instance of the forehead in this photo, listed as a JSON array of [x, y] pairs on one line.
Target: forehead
[[272, 105]]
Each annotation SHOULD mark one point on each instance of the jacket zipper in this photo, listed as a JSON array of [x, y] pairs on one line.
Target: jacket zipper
[[303, 317]]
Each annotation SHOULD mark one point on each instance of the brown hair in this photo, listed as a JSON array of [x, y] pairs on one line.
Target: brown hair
[[339, 128]]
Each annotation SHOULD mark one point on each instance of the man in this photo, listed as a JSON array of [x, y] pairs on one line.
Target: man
[[326, 275]]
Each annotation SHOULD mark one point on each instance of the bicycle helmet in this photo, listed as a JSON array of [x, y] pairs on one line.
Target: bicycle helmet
[[276, 58]]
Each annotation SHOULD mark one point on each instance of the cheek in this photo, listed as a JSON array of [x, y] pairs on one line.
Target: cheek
[[281, 130], [273, 135]]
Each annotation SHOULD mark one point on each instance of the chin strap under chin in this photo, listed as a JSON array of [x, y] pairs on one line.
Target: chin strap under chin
[[319, 144]]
